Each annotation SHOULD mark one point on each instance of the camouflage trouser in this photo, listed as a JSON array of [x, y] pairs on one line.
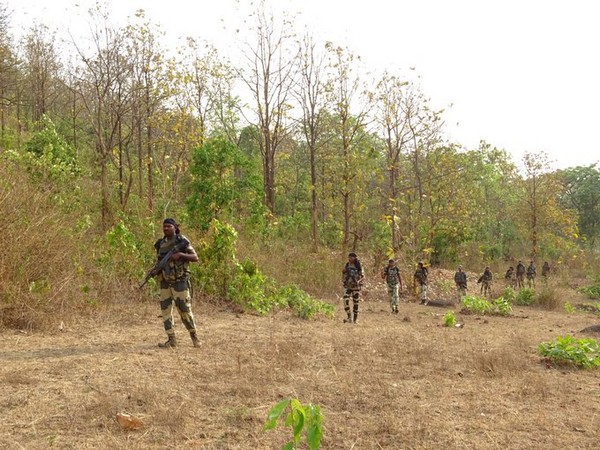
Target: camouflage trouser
[[519, 281], [393, 294], [486, 288], [355, 294], [423, 292], [177, 294], [461, 291], [530, 281]]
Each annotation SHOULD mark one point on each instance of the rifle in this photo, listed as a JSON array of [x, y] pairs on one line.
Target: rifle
[[160, 265]]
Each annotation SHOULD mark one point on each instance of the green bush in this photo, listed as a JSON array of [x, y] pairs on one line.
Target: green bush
[[476, 304], [502, 306], [300, 418], [582, 353], [449, 319], [509, 294], [592, 291], [525, 296]]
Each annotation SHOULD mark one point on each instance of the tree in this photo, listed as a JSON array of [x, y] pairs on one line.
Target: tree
[[311, 97], [104, 88], [42, 68], [269, 75], [349, 98], [583, 195], [541, 212], [217, 185]]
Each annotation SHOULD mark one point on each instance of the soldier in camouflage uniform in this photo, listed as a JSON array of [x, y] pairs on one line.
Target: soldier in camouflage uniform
[[531, 274], [509, 277], [460, 279], [391, 275], [352, 278], [545, 271], [520, 274], [420, 278], [486, 282], [174, 282]]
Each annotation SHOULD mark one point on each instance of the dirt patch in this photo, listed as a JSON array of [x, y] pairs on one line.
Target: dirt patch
[[392, 381]]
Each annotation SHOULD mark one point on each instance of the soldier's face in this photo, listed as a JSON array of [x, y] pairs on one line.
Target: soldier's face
[[168, 229]]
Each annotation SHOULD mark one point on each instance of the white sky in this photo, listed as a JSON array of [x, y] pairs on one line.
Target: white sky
[[523, 75]]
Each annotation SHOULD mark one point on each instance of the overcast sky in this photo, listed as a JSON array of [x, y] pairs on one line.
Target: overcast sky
[[521, 75]]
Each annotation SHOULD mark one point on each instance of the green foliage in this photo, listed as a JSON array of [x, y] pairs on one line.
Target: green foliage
[[525, 296], [242, 283], [301, 419], [120, 250], [509, 294], [48, 156], [582, 353], [583, 193], [476, 304], [305, 306], [224, 183], [503, 306], [569, 308], [449, 319], [592, 291]]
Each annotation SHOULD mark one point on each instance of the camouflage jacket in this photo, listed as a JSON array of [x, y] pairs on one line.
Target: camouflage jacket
[[175, 270], [352, 276]]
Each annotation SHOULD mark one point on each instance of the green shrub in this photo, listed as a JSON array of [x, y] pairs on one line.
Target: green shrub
[[449, 319], [525, 296], [476, 304], [300, 418], [502, 306], [509, 294], [592, 291], [582, 353]]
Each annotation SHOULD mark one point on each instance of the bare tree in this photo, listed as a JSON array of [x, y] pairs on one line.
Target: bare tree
[[104, 86], [349, 98], [311, 95], [42, 67], [269, 75]]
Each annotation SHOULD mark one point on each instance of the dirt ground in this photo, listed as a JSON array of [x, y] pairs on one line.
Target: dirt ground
[[389, 382]]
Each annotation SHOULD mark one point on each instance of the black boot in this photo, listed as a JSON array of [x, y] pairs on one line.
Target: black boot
[[195, 339], [171, 342]]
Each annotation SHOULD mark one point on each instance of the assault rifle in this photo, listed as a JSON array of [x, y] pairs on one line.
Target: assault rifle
[[163, 263]]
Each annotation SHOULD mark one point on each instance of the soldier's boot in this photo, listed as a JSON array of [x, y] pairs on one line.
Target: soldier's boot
[[195, 340], [348, 319], [171, 342], [355, 320]]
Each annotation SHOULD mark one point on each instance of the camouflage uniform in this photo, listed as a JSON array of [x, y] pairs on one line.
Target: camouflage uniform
[[545, 270], [509, 276], [352, 276], [486, 282], [460, 279], [391, 274], [520, 274], [420, 278], [175, 290], [531, 274]]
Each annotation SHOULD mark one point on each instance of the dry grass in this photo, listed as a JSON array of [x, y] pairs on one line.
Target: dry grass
[[384, 383]]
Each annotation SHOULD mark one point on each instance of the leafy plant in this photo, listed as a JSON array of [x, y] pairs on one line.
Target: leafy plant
[[300, 418], [476, 304], [503, 306], [449, 319], [582, 353], [509, 294], [569, 308], [592, 291], [525, 296]]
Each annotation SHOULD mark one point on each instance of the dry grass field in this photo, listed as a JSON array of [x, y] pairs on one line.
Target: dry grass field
[[390, 382]]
